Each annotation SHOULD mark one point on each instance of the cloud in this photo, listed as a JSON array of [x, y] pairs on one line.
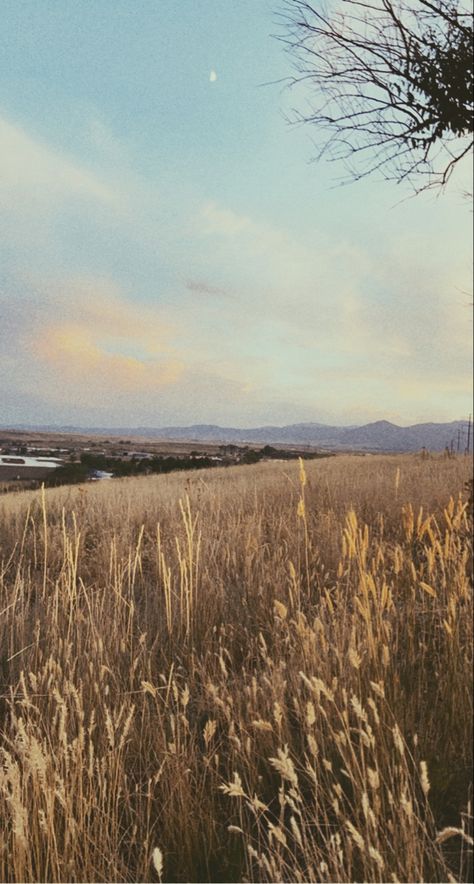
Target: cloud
[[123, 312], [52, 207], [31, 173], [75, 355], [203, 288], [224, 221], [343, 328], [82, 341]]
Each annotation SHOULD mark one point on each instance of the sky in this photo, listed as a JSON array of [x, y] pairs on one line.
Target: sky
[[171, 253]]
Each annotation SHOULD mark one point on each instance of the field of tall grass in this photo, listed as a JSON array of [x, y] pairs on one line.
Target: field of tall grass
[[251, 674]]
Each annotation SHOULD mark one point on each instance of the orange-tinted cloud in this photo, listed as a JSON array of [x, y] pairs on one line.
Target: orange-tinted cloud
[[94, 340], [72, 351]]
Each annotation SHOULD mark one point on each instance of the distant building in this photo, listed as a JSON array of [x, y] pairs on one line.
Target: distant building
[[15, 466], [97, 475]]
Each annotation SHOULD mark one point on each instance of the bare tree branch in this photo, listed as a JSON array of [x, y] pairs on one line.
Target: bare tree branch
[[388, 82]]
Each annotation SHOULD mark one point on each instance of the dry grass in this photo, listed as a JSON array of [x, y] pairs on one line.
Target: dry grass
[[250, 674]]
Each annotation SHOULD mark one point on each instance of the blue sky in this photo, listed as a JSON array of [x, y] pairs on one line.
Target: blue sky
[[169, 254]]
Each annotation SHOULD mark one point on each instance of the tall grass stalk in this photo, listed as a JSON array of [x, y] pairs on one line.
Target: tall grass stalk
[[268, 676]]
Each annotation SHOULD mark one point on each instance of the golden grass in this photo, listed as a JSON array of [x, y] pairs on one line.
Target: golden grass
[[247, 674]]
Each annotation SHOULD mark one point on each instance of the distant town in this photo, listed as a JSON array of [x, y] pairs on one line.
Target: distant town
[[28, 460]]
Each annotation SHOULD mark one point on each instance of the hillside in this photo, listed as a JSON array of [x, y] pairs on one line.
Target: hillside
[[378, 436], [256, 674]]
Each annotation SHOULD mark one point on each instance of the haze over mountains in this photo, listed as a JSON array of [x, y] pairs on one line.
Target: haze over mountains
[[379, 436]]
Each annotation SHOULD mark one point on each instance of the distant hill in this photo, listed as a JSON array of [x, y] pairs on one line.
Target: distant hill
[[378, 436]]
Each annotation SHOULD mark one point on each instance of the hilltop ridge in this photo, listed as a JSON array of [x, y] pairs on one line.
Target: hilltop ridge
[[381, 435]]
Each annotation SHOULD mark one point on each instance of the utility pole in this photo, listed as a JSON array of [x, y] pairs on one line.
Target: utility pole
[[468, 446], [459, 441]]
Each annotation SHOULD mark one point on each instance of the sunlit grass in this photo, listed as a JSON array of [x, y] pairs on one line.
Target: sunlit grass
[[254, 673]]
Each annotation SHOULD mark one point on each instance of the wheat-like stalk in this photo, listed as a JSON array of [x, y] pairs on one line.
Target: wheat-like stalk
[[268, 672]]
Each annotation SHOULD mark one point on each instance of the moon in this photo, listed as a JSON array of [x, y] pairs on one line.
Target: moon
[[212, 76]]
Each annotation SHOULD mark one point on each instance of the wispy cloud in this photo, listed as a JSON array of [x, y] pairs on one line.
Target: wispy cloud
[[82, 340], [204, 288], [141, 307], [343, 328], [31, 173], [79, 357]]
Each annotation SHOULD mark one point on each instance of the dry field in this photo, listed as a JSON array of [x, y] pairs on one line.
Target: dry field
[[78, 442], [252, 674]]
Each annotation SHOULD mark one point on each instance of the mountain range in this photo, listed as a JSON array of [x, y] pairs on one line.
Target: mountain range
[[378, 436]]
